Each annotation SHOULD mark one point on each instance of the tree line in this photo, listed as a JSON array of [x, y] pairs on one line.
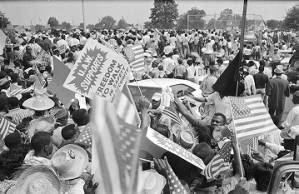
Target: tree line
[[164, 15]]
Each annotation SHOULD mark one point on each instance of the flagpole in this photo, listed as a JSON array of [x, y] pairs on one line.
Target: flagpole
[[242, 38]]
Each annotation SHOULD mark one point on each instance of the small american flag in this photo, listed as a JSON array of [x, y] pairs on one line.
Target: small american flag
[[115, 142], [219, 163], [250, 117], [135, 55], [15, 90], [172, 114], [175, 186], [6, 127]]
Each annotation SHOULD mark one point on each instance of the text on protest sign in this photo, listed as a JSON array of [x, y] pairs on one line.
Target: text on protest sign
[[174, 148], [98, 70]]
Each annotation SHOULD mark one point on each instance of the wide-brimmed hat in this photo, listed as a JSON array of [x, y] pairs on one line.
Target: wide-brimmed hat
[[37, 180], [70, 161], [39, 103], [151, 182], [278, 71], [291, 133]]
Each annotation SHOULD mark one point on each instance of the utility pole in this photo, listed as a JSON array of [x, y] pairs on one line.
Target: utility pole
[[187, 22], [83, 16]]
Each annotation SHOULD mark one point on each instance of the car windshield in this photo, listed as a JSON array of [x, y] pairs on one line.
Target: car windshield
[[148, 92]]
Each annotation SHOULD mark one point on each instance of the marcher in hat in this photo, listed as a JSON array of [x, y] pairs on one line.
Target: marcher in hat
[[277, 89], [70, 162], [15, 112], [40, 102]]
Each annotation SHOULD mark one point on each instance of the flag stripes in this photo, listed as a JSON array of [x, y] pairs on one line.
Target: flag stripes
[[125, 107], [105, 143], [116, 136], [135, 55], [6, 127], [254, 123], [172, 115]]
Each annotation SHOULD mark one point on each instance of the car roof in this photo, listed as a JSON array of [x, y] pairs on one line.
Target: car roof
[[162, 82]]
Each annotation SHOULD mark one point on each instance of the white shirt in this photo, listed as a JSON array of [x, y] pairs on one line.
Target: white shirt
[[292, 118], [249, 85]]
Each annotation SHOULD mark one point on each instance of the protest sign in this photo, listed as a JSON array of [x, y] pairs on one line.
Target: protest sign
[[2, 41], [174, 148], [98, 70]]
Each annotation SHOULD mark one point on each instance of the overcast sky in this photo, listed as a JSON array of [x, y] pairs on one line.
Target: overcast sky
[[38, 12]]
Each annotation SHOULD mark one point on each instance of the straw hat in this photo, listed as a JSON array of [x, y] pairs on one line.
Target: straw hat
[[70, 161], [39, 103], [151, 182], [37, 180]]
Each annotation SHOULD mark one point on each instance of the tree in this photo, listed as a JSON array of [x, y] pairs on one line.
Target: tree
[[39, 27], [164, 14], [211, 24], [291, 21], [66, 25], [225, 19], [107, 22], [122, 24], [53, 22], [4, 21], [148, 25], [272, 24], [192, 19]]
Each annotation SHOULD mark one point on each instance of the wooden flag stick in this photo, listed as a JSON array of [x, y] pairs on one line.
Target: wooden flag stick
[[237, 149]]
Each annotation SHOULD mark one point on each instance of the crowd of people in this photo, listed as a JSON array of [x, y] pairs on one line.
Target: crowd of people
[[50, 149]]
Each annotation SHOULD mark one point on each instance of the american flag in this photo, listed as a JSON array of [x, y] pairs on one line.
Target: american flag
[[250, 117], [172, 114], [175, 186], [15, 90], [115, 152], [135, 55], [219, 163], [6, 127]]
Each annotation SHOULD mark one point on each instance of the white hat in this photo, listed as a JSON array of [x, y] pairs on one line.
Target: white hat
[[157, 96], [39, 103], [70, 161]]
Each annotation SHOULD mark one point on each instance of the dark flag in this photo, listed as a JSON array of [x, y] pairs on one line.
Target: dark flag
[[227, 82]]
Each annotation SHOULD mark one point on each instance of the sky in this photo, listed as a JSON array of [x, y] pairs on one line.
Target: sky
[[134, 11]]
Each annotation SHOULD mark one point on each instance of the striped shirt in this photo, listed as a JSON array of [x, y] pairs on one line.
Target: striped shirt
[[18, 114]]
